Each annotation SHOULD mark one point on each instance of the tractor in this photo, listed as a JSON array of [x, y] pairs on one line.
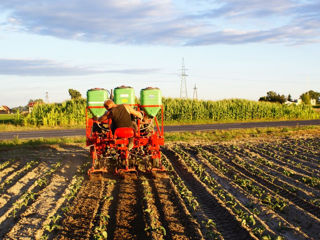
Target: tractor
[[110, 151]]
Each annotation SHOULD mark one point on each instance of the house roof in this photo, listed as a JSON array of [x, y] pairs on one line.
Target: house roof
[[31, 104], [5, 108]]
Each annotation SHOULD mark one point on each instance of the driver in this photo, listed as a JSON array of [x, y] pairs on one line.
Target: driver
[[121, 116]]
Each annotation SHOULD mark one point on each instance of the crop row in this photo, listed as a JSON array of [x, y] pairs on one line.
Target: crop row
[[209, 191], [255, 165], [247, 218], [265, 188]]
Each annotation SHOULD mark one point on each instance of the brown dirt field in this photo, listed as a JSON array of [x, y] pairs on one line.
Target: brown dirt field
[[227, 190]]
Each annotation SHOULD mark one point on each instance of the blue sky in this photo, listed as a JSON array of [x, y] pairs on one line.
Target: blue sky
[[231, 48]]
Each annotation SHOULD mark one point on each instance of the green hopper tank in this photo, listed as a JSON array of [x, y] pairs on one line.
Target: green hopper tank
[[151, 96], [96, 97], [124, 95]]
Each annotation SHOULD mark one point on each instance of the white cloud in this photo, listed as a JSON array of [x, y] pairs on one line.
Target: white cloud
[[43, 67], [162, 23]]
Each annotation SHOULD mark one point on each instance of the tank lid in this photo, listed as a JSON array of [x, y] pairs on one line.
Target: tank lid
[[150, 88], [96, 89], [123, 86]]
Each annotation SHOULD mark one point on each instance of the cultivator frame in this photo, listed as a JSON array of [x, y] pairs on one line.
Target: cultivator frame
[[106, 147]]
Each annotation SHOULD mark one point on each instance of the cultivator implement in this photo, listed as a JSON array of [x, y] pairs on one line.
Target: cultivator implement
[[126, 150]]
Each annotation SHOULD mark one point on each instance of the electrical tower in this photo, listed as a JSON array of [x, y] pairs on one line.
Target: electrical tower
[[183, 86], [47, 97], [195, 92]]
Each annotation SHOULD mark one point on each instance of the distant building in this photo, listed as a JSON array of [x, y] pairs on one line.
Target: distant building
[[299, 101], [313, 102], [289, 102], [30, 106], [5, 110]]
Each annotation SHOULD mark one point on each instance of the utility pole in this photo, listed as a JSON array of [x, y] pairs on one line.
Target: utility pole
[[47, 97], [195, 92], [183, 86]]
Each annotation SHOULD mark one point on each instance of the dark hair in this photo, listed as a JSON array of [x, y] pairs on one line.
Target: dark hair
[[107, 102]]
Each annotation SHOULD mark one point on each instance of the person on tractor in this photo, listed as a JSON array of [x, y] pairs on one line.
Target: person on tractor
[[120, 115]]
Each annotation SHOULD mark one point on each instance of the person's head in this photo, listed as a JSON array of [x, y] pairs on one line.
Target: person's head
[[108, 104]]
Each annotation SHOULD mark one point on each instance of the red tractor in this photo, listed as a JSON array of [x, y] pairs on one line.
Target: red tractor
[[110, 151]]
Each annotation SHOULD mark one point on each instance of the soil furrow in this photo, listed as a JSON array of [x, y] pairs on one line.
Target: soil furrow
[[314, 210], [175, 218], [128, 220], [293, 213], [33, 218], [113, 210], [78, 223], [256, 188], [200, 219], [297, 187], [102, 217], [298, 151], [265, 216], [284, 173], [226, 223], [16, 176], [308, 166], [6, 172], [279, 161], [311, 144], [13, 195]]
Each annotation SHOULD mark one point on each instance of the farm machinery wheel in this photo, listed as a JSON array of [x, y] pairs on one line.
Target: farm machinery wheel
[[98, 168], [156, 161], [153, 162], [125, 163]]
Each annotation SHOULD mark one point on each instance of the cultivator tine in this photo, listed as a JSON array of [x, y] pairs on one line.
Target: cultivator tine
[[162, 169]]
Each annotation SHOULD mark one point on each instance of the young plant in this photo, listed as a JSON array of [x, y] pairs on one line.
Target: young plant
[[53, 225]]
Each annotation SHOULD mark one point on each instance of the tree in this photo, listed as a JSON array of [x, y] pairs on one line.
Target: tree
[[74, 94], [306, 99], [312, 95], [289, 98], [273, 97], [20, 109]]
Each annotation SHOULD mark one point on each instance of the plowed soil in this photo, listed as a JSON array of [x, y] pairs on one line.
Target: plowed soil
[[266, 188]]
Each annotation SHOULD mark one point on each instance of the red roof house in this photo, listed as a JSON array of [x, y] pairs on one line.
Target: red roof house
[[5, 110]]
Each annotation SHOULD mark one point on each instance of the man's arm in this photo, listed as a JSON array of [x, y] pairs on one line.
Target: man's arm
[[104, 117], [133, 112]]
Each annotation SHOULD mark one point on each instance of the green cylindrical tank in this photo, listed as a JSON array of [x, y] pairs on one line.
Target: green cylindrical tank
[[96, 97], [124, 95], [151, 96]]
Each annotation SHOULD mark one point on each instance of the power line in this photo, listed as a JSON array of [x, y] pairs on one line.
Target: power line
[[195, 92], [183, 86], [47, 97]]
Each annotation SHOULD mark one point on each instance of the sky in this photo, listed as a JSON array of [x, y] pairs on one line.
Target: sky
[[231, 48]]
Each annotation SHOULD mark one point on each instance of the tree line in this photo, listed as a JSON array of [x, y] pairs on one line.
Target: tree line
[[305, 97]]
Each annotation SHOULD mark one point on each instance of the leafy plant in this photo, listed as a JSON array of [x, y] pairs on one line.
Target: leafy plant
[[100, 233], [53, 225]]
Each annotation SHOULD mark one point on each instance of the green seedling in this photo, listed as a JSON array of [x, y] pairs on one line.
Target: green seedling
[[100, 233], [44, 237], [53, 225], [104, 218]]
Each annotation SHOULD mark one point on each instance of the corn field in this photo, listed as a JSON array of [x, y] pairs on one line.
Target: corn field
[[71, 113], [68, 113], [233, 109]]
